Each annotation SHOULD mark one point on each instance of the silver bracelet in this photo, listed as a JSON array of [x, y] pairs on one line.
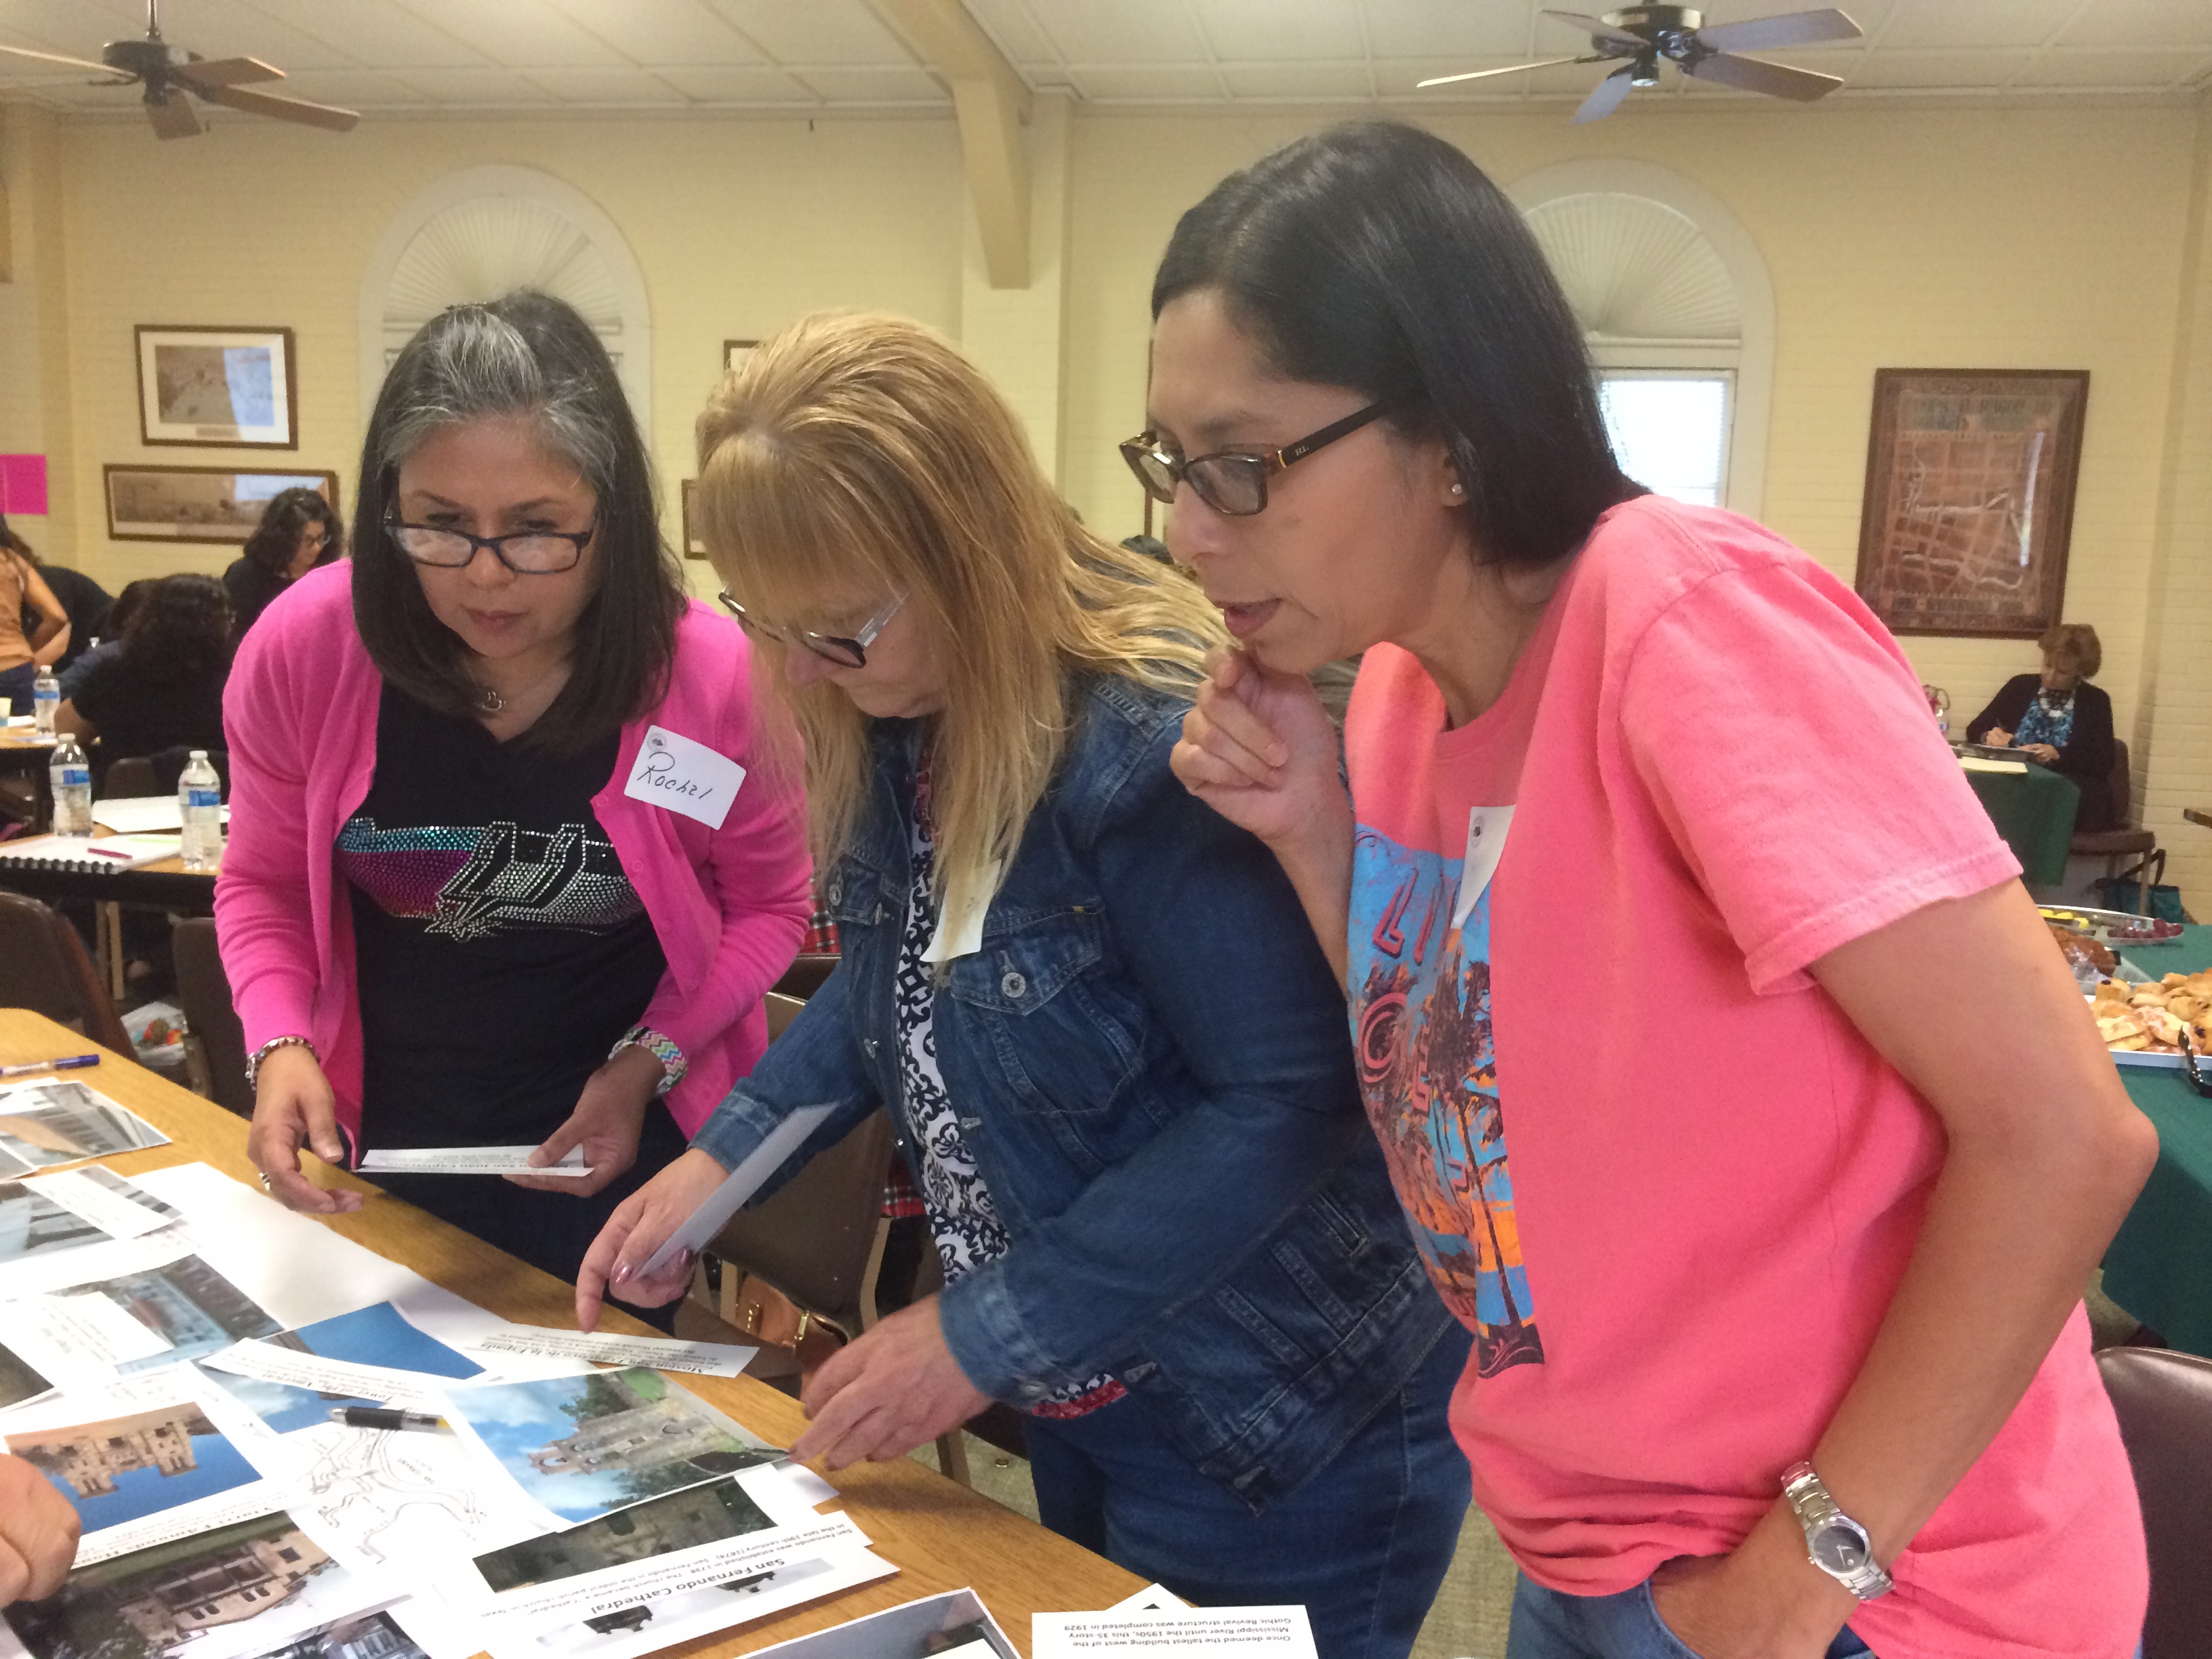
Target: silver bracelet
[[253, 1060]]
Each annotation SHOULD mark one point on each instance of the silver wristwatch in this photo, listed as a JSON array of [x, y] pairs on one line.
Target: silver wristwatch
[[1834, 1542]]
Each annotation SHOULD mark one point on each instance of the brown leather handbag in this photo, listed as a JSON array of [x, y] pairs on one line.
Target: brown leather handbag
[[767, 1316]]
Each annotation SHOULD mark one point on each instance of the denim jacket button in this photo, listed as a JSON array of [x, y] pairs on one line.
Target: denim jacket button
[[1014, 987], [868, 1047], [836, 893], [1033, 1391]]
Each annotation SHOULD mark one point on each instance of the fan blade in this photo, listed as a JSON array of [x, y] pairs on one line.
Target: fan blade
[[284, 109], [172, 116], [1510, 68], [1797, 29], [65, 63], [1598, 29], [1606, 96], [1775, 80], [225, 71]]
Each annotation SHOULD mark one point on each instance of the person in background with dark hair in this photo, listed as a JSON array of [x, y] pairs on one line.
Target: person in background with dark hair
[[1775, 1282], [297, 533], [2060, 719], [83, 600], [449, 914], [114, 627], [163, 689], [34, 627]]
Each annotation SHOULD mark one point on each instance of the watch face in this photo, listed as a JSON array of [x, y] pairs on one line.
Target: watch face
[[1839, 1549]]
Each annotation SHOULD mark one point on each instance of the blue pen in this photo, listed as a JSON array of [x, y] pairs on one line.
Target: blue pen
[[69, 1065]]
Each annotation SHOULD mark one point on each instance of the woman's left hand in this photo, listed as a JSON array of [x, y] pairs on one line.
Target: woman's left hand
[[1763, 1602], [605, 1124], [2042, 751], [897, 1388]]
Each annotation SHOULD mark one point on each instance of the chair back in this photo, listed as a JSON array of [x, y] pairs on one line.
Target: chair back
[[205, 991], [2121, 784], [131, 777], [2164, 1402], [44, 967]]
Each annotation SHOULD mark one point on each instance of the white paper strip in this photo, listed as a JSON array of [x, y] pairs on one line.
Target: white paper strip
[[1251, 1632], [741, 1182], [108, 1203], [661, 1353], [272, 1363], [470, 1160], [94, 1264]]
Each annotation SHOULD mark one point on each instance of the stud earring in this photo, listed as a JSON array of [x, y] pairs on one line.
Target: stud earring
[[1459, 489]]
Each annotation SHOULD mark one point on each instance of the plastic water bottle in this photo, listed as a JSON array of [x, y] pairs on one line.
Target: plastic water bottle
[[72, 775], [199, 805], [45, 700]]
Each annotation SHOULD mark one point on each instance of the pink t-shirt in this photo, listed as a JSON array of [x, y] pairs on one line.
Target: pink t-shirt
[[1651, 1164]]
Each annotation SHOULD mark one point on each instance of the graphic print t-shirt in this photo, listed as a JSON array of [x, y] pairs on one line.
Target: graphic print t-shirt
[[1653, 1166], [502, 950]]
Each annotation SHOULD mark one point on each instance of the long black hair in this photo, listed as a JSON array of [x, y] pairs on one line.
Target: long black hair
[[178, 632], [275, 539], [529, 355], [1375, 256]]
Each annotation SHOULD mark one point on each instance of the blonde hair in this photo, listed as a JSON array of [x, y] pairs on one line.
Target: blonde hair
[[2073, 648], [865, 447]]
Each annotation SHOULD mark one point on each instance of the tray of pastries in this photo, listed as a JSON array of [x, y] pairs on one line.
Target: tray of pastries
[[2143, 1024]]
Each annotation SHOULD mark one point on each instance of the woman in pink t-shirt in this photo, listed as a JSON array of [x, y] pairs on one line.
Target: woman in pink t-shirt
[[1772, 1253]]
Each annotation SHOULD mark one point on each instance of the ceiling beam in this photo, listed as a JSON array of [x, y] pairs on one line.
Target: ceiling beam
[[992, 102]]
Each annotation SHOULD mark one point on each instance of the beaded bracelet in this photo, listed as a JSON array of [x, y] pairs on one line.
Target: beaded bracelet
[[664, 1049], [253, 1060]]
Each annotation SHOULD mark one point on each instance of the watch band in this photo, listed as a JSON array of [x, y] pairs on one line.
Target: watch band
[[1819, 1515]]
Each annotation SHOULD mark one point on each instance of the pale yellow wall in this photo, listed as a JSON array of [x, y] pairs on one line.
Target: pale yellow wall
[[738, 226]]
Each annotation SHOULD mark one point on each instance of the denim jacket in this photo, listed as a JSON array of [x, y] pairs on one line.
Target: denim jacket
[[1151, 1061]]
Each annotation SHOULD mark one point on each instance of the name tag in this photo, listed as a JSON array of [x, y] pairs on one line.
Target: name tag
[[963, 937], [684, 777], [1485, 840]]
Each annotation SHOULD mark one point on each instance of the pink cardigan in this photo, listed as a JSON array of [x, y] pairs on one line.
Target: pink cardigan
[[300, 715]]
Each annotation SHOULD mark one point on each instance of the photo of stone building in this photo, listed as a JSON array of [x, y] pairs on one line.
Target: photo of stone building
[[88, 1457]]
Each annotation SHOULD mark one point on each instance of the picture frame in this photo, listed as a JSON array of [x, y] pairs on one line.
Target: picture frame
[[693, 547], [219, 387], [734, 353], [214, 504], [1969, 507]]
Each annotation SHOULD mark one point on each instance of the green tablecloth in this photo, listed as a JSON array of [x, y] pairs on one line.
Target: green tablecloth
[[2160, 1265], [2033, 811]]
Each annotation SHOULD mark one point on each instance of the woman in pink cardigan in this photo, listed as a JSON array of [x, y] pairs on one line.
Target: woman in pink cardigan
[[502, 870]]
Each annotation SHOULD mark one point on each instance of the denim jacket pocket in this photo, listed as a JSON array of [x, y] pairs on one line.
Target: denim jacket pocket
[[1026, 998], [855, 894]]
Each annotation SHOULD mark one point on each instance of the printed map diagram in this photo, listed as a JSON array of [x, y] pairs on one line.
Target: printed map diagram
[[381, 1497]]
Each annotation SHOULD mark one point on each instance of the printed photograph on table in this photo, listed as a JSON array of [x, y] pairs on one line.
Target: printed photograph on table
[[370, 1336], [233, 387], [51, 1123], [652, 1625], [226, 1594], [659, 1526], [936, 1627], [216, 504], [371, 1635], [20, 1380], [124, 1468], [31, 1223], [584, 1445], [188, 1305]]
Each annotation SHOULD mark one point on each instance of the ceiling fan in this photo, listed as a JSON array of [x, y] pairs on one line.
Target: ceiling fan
[[1637, 37], [169, 73]]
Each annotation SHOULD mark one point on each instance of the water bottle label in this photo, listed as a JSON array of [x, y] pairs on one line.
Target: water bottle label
[[46, 691], [203, 797], [76, 777]]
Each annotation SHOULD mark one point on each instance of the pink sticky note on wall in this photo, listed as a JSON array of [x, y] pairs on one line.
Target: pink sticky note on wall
[[23, 484]]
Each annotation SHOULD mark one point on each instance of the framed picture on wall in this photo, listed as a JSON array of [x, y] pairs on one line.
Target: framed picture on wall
[[229, 386], [734, 353], [197, 503], [693, 547], [1970, 499]]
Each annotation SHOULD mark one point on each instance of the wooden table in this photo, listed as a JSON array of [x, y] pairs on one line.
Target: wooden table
[[941, 1536]]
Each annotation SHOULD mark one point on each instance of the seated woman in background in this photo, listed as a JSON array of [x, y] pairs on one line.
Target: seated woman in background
[[297, 532], [112, 629], [2060, 719], [1113, 1053], [448, 916], [25, 647], [83, 601], [163, 689]]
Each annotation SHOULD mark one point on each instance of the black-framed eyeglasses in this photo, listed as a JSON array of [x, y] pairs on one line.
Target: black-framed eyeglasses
[[851, 652], [1233, 485], [2191, 1072], [526, 552]]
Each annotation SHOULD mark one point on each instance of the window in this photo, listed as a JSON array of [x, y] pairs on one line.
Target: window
[[1669, 429]]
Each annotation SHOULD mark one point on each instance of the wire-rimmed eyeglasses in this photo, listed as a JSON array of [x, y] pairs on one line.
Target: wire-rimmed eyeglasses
[[848, 651], [1233, 485], [526, 552]]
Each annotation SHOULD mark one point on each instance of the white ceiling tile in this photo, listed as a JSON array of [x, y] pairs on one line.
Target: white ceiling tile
[[815, 31], [515, 36], [377, 35], [1977, 22], [2120, 69], [1887, 68], [77, 27], [1423, 28], [2143, 23], [1319, 30], [604, 89], [738, 86], [1015, 31], [662, 31], [1288, 81], [872, 86], [348, 89], [1126, 31], [1146, 83], [466, 89]]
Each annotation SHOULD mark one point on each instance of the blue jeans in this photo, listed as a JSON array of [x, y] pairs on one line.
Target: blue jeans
[[16, 685], [1363, 1543], [1549, 1624]]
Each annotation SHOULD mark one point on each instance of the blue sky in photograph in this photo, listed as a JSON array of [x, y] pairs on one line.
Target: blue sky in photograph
[[148, 1491], [381, 1336]]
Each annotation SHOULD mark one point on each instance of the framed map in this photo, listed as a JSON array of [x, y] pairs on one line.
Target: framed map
[[1970, 499]]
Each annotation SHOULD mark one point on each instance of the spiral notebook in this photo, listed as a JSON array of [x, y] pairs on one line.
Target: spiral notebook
[[100, 853]]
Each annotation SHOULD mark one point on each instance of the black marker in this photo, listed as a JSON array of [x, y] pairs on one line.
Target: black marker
[[383, 1417]]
